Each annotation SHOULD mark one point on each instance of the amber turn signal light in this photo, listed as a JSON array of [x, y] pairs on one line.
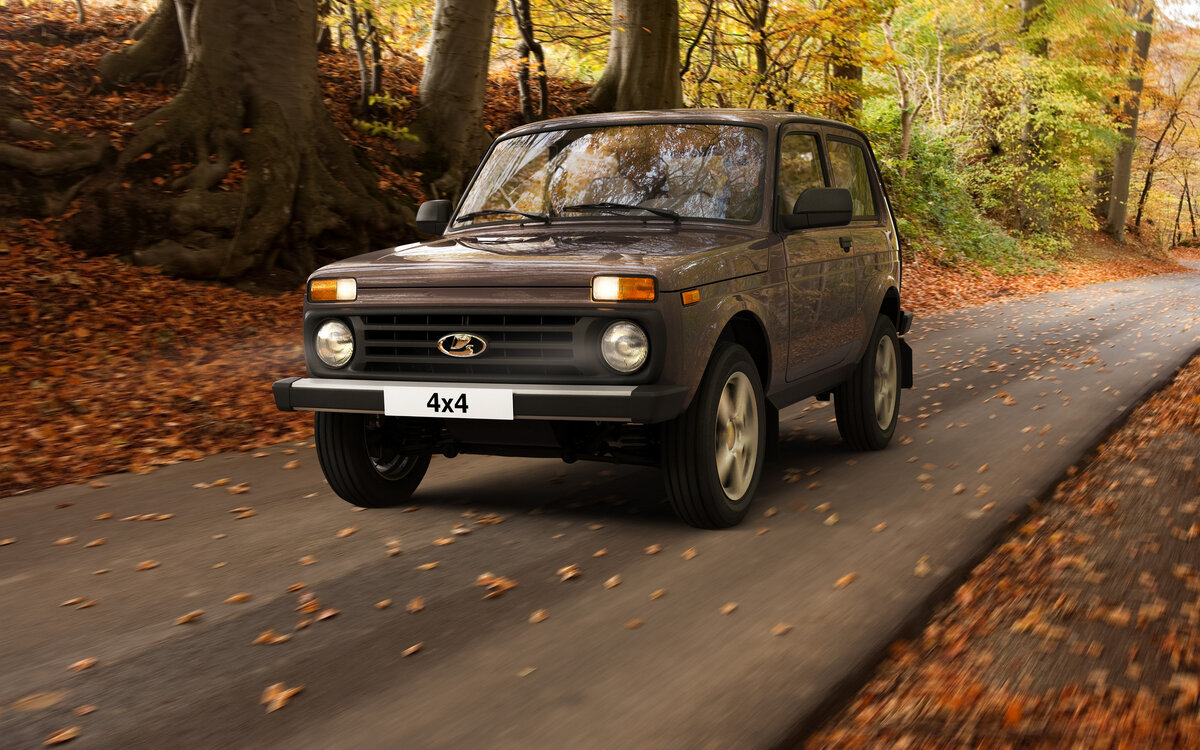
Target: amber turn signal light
[[623, 289], [691, 296], [332, 290]]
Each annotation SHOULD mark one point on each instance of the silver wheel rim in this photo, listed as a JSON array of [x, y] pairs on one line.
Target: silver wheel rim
[[736, 435], [885, 383]]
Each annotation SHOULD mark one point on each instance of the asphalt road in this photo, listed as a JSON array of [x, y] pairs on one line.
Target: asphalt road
[[1022, 388]]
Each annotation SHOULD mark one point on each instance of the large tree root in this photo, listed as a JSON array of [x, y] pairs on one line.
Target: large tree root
[[69, 155], [302, 198]]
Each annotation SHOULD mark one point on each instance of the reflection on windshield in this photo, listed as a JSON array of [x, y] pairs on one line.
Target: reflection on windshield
[[697, 171]]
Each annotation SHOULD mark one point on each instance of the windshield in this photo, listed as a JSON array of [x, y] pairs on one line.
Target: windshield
[[656, 172]]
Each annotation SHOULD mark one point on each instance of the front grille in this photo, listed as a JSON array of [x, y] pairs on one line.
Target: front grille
[[518, 345]]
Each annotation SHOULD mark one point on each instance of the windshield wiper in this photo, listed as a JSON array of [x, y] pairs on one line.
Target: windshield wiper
[[666, 213], [500, 212]]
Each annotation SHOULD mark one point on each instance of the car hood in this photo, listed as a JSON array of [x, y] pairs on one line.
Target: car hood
[[680, 258]]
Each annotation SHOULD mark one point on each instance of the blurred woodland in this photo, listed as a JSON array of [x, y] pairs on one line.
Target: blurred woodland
[[219, 139]]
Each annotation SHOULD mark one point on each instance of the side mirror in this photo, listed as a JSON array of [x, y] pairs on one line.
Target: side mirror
[[820, 207], [433, 216]]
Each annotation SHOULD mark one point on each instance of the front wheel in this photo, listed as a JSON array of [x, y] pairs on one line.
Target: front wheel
[[712, 454], [867, 404], [358, 456]]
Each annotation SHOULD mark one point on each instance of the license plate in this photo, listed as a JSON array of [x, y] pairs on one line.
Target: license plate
[[458, 403]]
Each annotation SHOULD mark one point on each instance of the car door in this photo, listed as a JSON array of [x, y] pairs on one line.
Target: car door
[[821, 275], [869, 247]]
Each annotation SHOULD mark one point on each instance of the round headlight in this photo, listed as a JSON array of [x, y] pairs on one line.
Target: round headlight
[[334, 343], [624, 346]]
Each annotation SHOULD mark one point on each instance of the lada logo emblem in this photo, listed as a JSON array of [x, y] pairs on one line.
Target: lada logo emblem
[[461, 345]]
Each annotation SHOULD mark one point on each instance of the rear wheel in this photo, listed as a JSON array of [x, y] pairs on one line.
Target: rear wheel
[[867, 404], [358, 455], [712, 454]]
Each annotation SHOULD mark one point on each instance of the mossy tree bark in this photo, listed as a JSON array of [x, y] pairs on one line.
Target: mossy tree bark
[[453, 85], [642, 71], [251, 95], [157, 54]]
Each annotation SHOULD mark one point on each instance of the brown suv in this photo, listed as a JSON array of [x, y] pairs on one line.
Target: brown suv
[[642, 287]]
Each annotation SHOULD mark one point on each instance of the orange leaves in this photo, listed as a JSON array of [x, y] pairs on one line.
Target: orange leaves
[[845, 580], [278, 695], [61, 736], [496, 585], [415, 605], [83, 664], [538, 615], [192, 616], [147, 565]]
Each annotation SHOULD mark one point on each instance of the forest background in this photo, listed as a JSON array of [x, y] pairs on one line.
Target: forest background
[[243, 144]]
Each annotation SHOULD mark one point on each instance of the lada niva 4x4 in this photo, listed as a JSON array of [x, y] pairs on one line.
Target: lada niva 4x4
[[642, 287]]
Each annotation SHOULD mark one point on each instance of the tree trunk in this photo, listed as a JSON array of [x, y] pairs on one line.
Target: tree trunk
[[157, 55], [1191, 213], [1123, 163], [1033, 208], [642, 71], [453, 87], [530, 46], [81, 13], [252, 93]]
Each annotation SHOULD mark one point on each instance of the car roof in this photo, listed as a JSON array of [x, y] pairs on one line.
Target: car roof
[[760, 117]]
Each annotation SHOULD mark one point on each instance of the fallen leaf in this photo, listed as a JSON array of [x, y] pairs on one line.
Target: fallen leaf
[[61, 736], [960, 488], [84, 710], [612, 582], [539, 615], [147, 565], [239, 598], [103, 517], [595, 526], [83, 664], [728, 608], [220, 482], [95, 542], [326, 614], [189, 617], [245, 515], [689, 553], [634, 624], [427, 566], [277, 696], [769, 512], [845, 580], [653, 549], [164, 516], [822, 507], [412, 649], [922, 568], [415, 605], [88, 604], [443, 541], [295, 587], [658, 594], [525, 672], [240, 488], [346, 532], [780, 628], [8, 541], [879, 527], [72, 602], [307, 560], [292, 464], [39, 701], [832, 519], [97, 484], [567, 572], [600, 553], [63, 541], [982, 469]]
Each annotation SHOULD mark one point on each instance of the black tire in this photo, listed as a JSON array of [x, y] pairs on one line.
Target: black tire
[[361, 467], [690, 448], [867, 404]]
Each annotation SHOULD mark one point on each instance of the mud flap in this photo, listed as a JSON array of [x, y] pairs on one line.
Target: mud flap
[[906, 365]]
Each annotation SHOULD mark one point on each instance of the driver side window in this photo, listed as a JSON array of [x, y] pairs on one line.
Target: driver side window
[[800, 168]]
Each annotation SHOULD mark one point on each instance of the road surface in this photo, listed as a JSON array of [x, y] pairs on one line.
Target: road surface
[[1008, 396]]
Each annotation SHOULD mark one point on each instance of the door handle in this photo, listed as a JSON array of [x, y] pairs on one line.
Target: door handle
[[846, 242]]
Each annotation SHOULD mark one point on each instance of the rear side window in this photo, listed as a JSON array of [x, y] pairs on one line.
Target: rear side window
[[800, 168], [848, 163]]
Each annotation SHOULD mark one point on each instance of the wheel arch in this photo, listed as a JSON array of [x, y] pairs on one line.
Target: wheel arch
[[747, 330]]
